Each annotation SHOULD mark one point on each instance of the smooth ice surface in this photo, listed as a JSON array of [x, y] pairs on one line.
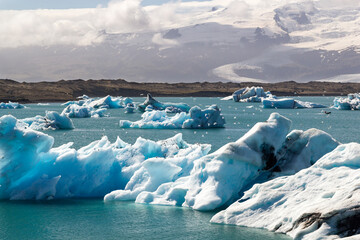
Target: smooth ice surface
[[289, 103], [51, 120], [152, 104], [32, 169], [320, 202], [10, 105], [351, 102], [250, 94], [219, 178], [210, 117]]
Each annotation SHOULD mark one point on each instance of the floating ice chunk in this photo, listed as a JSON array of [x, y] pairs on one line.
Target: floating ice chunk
[[351, 102], [156, 105], [218, 179], [31, 169], [107, 102], [130, 108], [320, 202], [196, 118], [51, 120], [227, 98], [251, 94], [10, 105], [77, 111], [289, 103]]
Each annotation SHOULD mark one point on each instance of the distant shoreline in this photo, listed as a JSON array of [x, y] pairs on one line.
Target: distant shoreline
[[65, 90]]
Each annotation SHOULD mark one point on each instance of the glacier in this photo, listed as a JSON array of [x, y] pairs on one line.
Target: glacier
[[289, 103], [351, 102], [152, 104], [210, 117], [11, 105], [320, 202], [52, 120], [251, 94], [30, 168], [218, 179]]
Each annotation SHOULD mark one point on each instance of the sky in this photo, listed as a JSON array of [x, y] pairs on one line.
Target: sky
[[65, 4], [173, 40]]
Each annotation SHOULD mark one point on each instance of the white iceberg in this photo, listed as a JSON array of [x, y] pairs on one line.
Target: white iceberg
[[218, 179], [250, 94], [289, 103], [11, 105], [210, 117], [153, 104], [106, 102], [320, 202], [77, 111], [30, 168], [51, 120], [351, 102]]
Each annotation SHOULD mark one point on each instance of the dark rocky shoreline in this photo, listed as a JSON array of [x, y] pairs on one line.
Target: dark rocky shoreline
[[30, 92]]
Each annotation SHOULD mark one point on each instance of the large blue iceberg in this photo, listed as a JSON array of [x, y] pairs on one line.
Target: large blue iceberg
[[30, 168], [250, 94], [151, 104], [289, 103], [210, 117], [52, 120], [10, 105], [351, 102]]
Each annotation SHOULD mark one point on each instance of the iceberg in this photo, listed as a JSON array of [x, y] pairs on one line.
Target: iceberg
[[11, 105], [320, 202], [51, 120], [106, 102], [250, 94], [218, 179], [130, 108], [156, 105], [210, 117], [78, 111], [30, 168], [351, 102], [289, 103]]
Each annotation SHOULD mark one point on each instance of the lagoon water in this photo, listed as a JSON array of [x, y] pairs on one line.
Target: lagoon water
[[94, 219]]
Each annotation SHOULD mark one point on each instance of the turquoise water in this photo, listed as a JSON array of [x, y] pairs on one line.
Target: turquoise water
[[94, 219]]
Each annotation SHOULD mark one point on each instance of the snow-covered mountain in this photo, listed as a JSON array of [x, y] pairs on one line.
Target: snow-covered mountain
[[185, 42]]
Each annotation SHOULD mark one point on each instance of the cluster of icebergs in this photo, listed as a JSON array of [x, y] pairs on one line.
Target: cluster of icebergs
[[302, 183], [210, 117], [257, 94], [10, 105], [151, 104], [351, 102], [90, 107]]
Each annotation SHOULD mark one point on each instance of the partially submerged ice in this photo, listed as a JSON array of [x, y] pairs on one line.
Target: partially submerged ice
[[351, 102], [152, 104], [320, 202], [77, 111], [218, 179], [52, 120], [210, 117], [11, 105], [30, 168], [289, 103], [250, 94]]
